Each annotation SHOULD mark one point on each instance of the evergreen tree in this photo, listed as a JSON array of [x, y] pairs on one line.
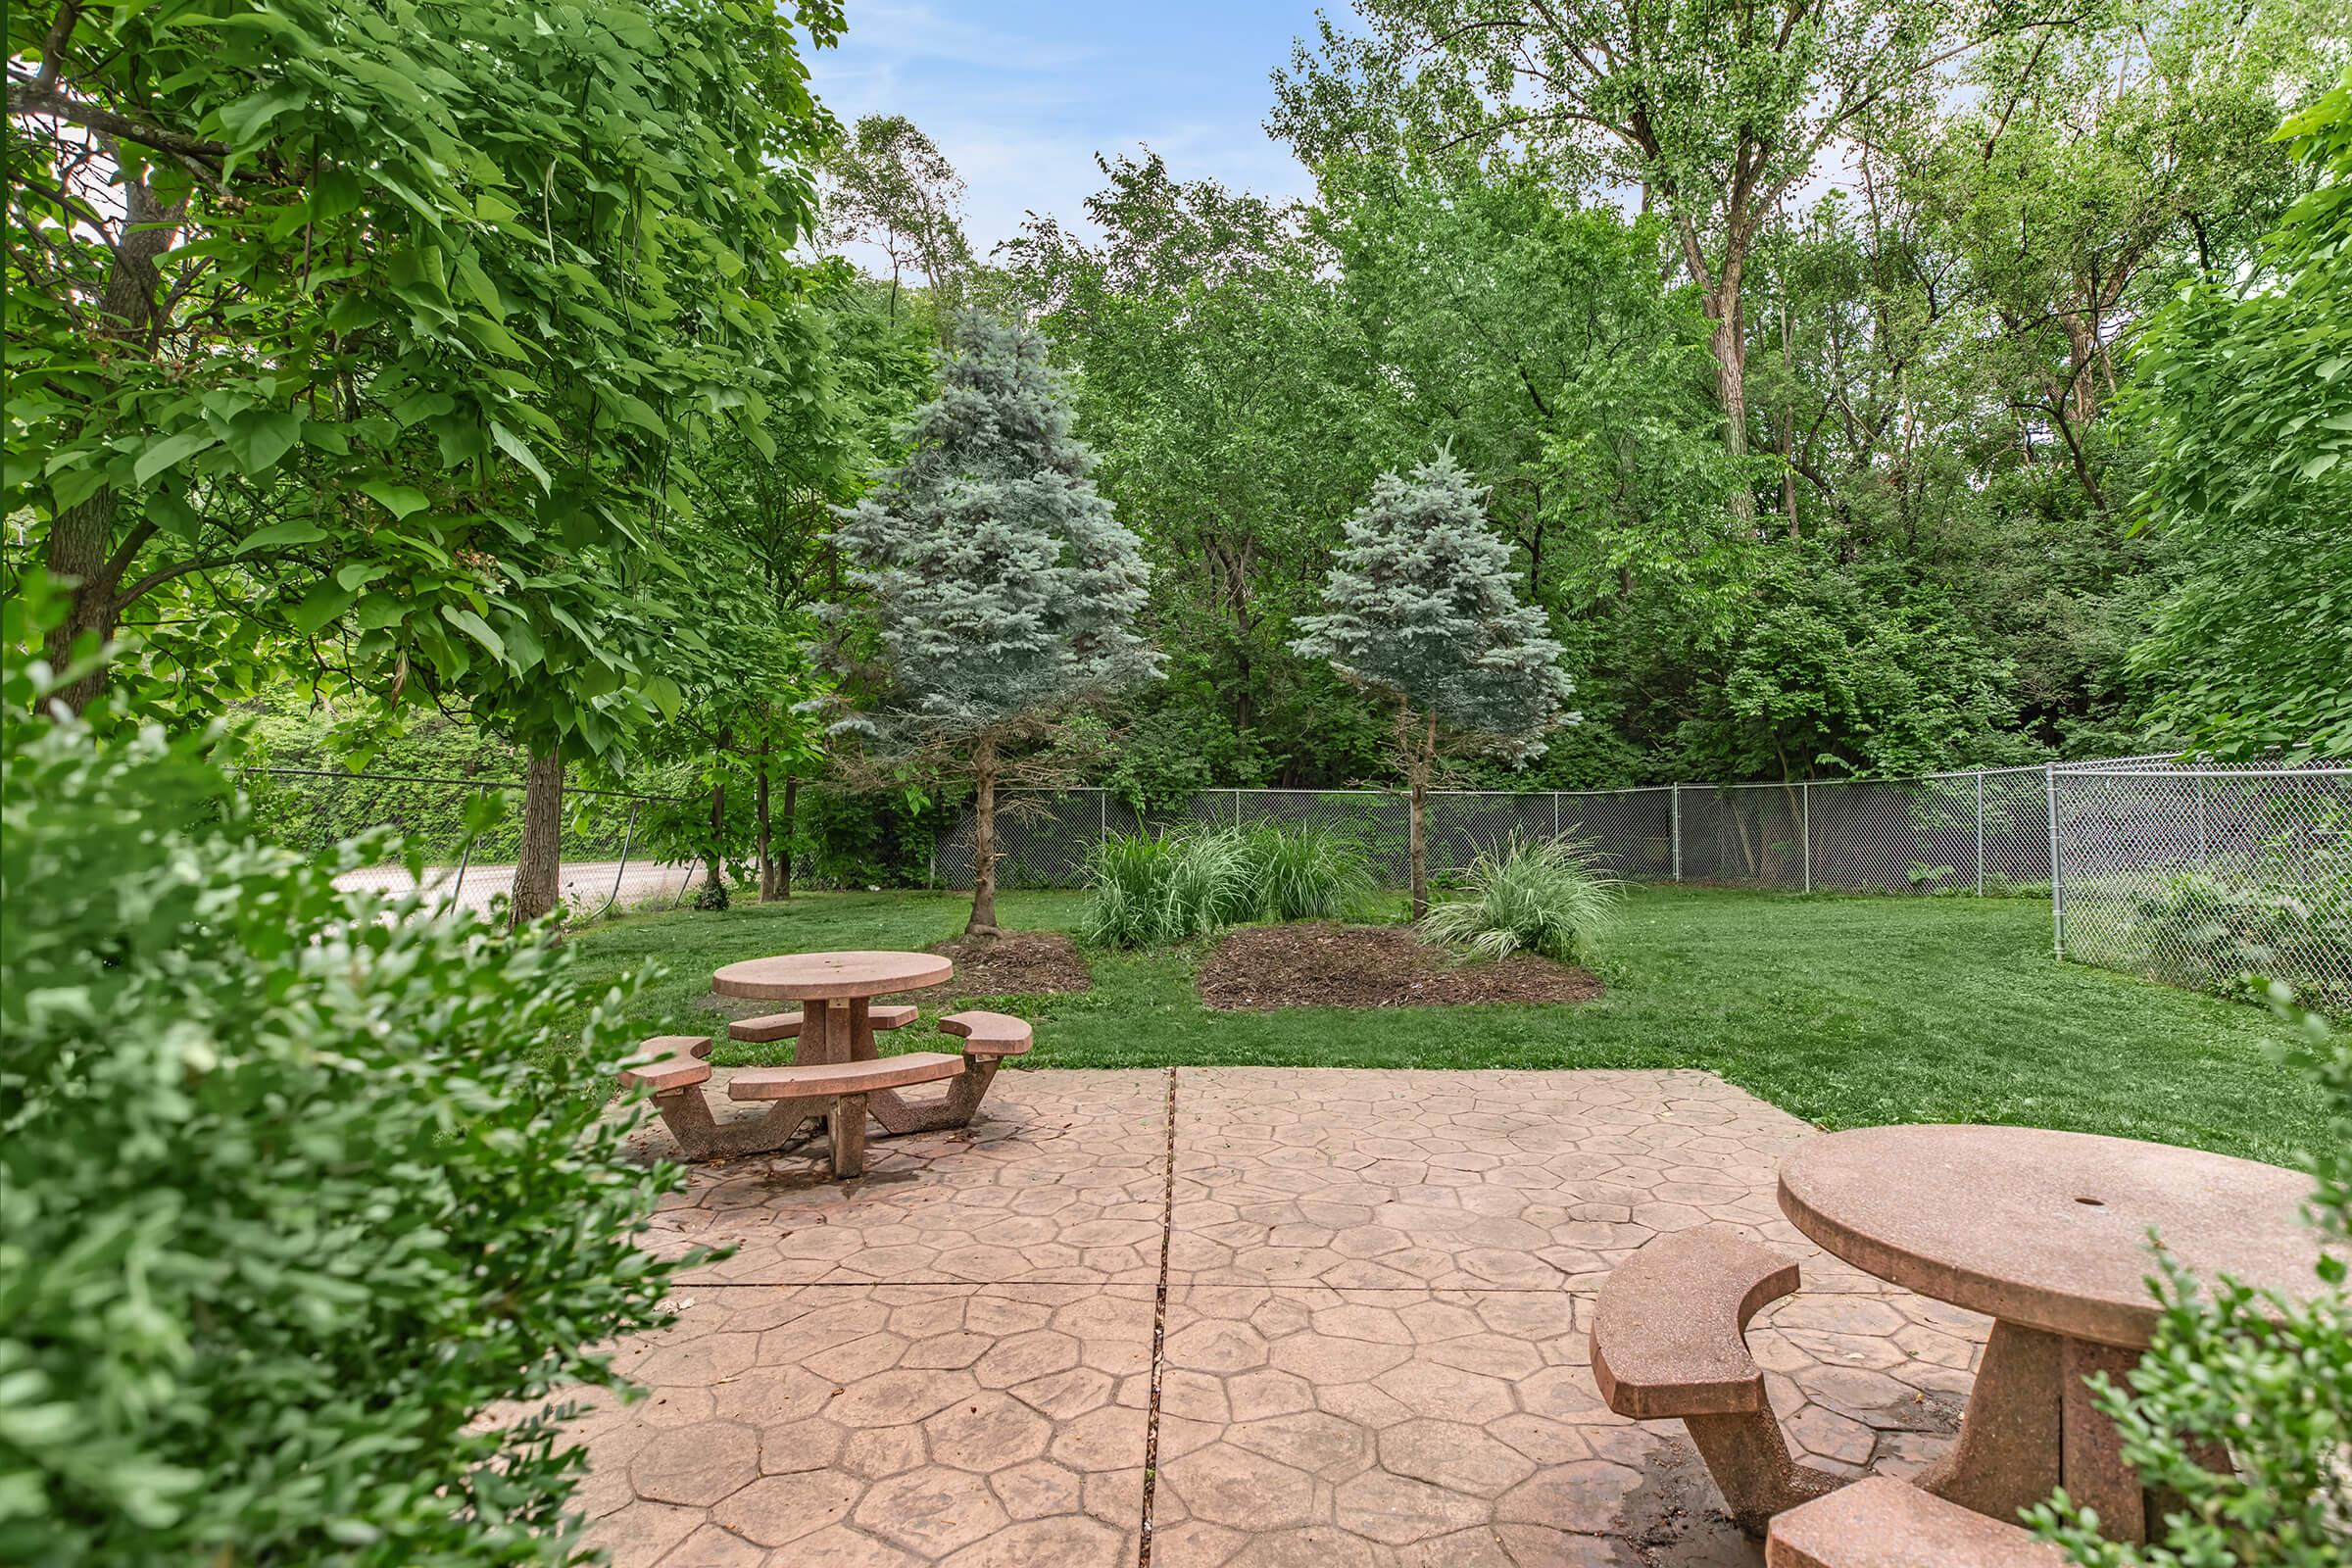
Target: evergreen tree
[[1002, 591], [1421, 611]]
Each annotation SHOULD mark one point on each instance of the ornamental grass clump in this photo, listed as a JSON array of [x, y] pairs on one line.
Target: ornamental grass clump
[[1148, 890], [295, 1186], [1539, 896], [1304, 872]]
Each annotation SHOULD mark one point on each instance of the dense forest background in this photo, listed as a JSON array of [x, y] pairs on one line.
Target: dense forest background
[[1918, 538], [1863, 389]]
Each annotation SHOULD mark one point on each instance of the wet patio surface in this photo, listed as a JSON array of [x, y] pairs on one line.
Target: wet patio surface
[[1232, 1317]]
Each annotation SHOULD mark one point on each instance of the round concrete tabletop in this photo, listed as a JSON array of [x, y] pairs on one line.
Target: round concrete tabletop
[[830, 976], [2046, 1229]]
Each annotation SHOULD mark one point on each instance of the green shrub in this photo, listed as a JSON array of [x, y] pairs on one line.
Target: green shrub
[[292, 1192], [2265, 1379], [2292, 922], [1536, 896], [1146, 890], [1306, 872]]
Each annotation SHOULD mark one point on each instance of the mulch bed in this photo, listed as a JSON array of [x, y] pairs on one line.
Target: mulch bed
[[1319, 964], [1018, 963]]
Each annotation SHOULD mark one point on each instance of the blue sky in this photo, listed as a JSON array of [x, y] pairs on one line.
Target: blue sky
[[1021, 96]]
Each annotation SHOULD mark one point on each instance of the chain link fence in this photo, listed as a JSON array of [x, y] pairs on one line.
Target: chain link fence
[[1981, 832], [2203, 875], [2194, 875], [603, 866]]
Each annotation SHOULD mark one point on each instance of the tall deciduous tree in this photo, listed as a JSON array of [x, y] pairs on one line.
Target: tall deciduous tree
[[1003, 590], [1203, 325], [1420, 607], [890, 185], [2248, 389], [1715, 113]]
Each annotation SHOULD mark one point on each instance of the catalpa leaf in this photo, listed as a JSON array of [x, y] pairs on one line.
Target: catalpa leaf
[[398, 499], [515, 447], [475, 627], [171, 450]]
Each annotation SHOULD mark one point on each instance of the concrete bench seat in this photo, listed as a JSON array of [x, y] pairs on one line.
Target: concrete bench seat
[[843, 1077], [841, 1089], [1669, 1340], [676, 1062], [988, 1034], [1883, 1522], [787, 1025]]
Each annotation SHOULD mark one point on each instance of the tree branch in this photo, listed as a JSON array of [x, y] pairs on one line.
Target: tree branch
[[34, 101]]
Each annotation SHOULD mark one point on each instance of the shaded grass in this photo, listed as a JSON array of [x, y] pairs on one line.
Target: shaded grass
[[1846, 1012]]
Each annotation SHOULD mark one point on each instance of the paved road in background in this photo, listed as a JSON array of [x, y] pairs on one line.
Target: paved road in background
[[587, 884]]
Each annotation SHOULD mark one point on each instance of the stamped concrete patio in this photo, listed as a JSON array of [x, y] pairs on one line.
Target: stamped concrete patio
[[1231, 1316]]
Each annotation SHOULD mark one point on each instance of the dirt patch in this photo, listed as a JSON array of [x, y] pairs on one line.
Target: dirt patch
[[1018, 963], [1324, 965]]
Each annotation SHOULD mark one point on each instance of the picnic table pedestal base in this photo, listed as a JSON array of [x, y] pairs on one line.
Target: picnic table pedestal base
[[844, 1031], [2030, 1427], [702, 1136]]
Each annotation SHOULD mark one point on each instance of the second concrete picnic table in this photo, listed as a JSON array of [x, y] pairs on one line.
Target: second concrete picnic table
[[2046, 1233]]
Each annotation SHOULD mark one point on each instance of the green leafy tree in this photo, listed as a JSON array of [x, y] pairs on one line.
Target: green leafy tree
[[1714, 113], [2248, 388], [402, 313], [890, 185], [283, 1216], [1221, 382], [1000, 590], [1419, 607]]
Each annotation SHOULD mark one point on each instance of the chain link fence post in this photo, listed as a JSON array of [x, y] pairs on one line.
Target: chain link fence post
[[2057, 878], [1674, 828], [1804, 828], [1980, 776]]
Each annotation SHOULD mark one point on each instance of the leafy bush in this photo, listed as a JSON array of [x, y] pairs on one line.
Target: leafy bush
[[2292, 922], [1144, 890], [288, 1198], [2265, 1379], [1536, 896]]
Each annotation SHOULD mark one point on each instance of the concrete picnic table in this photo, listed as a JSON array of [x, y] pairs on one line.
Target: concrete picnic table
[[2047, 1233], [836, 992]]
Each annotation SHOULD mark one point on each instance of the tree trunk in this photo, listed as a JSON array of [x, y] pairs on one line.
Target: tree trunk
[[714, 863], [1730, 378], [1788, 423], [762, 839], [1729, 345], [81, 535], [1417, 773], [539, 861], [781, 869], [775, 871], [983, 922]]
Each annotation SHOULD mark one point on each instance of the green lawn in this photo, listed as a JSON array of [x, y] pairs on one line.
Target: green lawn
[[1844, 1010]]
